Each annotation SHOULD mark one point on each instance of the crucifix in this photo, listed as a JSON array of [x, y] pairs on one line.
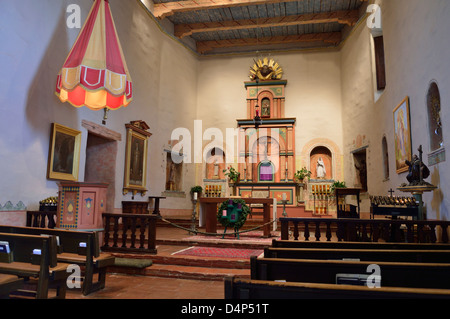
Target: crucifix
[[391, 191]]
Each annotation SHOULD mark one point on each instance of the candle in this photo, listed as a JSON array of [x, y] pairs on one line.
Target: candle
[[284, 196], [195, 196], [224, 213]]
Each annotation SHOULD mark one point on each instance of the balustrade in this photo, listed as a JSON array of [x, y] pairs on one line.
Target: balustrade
[[134, 233], [41, 219], [365, 230]]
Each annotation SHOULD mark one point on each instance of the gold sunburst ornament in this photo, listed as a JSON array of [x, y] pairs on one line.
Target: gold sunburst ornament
[[266, 69]]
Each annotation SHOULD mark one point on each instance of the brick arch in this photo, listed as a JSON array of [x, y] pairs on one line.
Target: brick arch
[[337, 161]]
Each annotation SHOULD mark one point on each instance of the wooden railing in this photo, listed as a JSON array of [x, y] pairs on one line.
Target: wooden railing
[[41, 219], [133, 233], [368, 230]]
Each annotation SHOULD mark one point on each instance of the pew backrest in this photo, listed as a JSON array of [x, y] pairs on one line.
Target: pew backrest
[[68, 241], [240, 288], [393, 255], [25, 248], [357, 245], [393, 274]]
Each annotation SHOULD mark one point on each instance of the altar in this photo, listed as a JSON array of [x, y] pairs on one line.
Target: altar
[[208, 212]]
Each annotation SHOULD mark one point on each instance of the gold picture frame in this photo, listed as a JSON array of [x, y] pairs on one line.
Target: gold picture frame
[[64, 153], [402, 136], [135, 177]]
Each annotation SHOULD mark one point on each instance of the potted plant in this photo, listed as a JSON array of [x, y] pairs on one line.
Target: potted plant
[[232, 174], [196, 189], [302, 174], [299, 177], [337, 184]]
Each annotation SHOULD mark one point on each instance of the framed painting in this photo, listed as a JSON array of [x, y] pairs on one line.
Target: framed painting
[[64, 153], [402, 136], [136, 158]]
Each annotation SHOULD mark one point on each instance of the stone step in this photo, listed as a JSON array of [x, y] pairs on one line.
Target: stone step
[[230, 263], [197, 273], [189, 268]]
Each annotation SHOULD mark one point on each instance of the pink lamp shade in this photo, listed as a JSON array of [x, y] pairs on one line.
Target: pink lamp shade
[[95, 73]]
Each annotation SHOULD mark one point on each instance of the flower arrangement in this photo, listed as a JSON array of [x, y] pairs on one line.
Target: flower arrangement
[[232, 174], [302, 174]]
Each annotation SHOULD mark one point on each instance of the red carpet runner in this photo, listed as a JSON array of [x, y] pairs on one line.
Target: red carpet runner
[[219, 252]]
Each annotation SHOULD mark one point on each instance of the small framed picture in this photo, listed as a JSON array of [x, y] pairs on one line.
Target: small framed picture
[[64, 153]]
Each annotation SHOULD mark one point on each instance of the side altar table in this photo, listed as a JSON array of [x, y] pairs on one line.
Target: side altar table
[[208, 212]]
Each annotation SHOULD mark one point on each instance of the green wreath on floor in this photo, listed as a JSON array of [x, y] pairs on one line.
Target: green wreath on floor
[[242, 216]]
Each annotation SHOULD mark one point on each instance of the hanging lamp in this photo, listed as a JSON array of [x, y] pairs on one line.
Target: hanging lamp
[[95, 73]]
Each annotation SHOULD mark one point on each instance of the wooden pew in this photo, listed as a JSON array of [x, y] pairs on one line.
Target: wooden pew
[[70, 252], [237, 288], [8, 284], [374, 255], [356, 245], [45, 269], [393, 274]]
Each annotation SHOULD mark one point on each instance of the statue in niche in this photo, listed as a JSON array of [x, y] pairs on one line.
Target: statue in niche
[[321, 171], [216, 169], [265, 108], [362, 170]]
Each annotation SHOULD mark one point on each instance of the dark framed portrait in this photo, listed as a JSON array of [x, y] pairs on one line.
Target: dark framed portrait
[[136, 158], [64, 153]]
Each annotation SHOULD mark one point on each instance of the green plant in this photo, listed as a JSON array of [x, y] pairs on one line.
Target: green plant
[[232, 174], [337, 184], [196, 189], [302, 174]]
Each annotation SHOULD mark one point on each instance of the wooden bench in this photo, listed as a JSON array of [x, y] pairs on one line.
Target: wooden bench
[[356, 245], [8, 284], [393, 274], [43, 268], [69, 251], [237, 288], [374, 255]]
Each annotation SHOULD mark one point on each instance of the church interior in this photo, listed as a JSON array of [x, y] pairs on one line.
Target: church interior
[[200, 117]]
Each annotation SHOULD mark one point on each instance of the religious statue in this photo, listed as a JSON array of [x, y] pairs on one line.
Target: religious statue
[[416, 168], [171, 183], [265, 108], [320, 169], [216, 169], [362, 170]]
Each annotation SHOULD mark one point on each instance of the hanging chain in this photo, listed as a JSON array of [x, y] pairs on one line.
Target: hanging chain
[[217, 234]]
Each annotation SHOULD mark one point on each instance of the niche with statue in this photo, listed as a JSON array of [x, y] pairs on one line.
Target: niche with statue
[[321, 164]]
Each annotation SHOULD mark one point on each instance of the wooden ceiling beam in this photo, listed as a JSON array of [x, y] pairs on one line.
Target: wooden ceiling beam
[[163, 10], [327, 37], [349, 17]]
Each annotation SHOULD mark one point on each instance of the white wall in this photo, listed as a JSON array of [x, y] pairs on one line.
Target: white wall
[[35, 43], [313, 93], [416, 50]]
